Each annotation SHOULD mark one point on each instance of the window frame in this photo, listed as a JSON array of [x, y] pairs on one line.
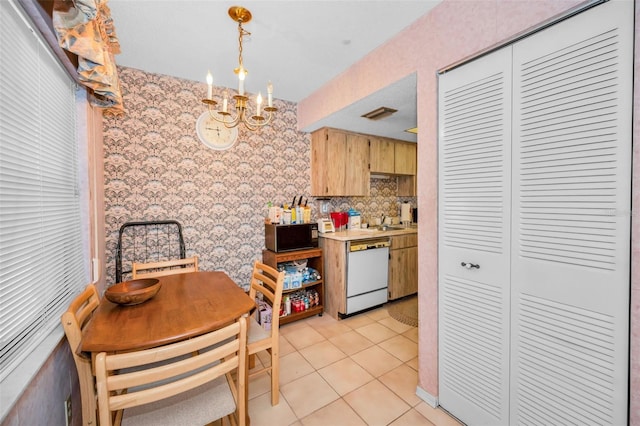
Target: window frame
[[17, 378]]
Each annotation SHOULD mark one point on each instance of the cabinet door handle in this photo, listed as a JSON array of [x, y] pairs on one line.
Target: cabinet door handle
[[470, 265]]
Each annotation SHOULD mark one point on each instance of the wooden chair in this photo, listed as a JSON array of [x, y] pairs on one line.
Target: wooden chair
[[269, 282], [170, 387], [73, 321], [166, 267]]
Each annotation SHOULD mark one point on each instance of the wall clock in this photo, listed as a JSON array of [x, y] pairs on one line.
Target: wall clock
[[214, 134]]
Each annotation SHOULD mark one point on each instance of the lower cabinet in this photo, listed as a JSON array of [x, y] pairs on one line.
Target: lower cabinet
[[335, 276], [403, 266], [314, 260]]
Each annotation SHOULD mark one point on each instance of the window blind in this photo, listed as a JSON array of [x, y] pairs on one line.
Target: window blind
[[41, 257]]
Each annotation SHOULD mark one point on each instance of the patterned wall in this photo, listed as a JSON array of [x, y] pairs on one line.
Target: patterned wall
[[156, 168]]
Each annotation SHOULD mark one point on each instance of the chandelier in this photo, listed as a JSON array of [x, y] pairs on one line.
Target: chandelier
[[254, 122]]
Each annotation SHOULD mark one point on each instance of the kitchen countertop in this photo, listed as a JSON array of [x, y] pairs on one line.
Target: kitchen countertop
[[363, 234]]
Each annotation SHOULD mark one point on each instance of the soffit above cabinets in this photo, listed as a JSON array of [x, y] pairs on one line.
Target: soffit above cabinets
[[401, 95]]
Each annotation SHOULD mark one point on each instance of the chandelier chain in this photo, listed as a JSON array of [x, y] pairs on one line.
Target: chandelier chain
[[241, 33], [263, 114]]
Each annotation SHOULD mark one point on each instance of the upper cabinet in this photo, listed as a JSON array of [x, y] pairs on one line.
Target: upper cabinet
[[339, 163], [406, 156], [342, 163], [394, 157], [382, 155]]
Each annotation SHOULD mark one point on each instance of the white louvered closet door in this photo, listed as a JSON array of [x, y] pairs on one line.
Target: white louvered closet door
[[474, 216], [551, 296], [571, 214]]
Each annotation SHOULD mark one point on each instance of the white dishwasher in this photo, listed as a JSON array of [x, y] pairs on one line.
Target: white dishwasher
[[367, 273]]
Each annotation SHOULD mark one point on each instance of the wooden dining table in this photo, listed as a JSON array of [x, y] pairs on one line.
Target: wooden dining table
[[187, 305]]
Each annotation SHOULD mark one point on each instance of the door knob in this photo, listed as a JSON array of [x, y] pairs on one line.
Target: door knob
[[470, 265]]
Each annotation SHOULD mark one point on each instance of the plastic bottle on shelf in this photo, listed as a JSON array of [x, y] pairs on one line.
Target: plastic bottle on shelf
[[287, 304]]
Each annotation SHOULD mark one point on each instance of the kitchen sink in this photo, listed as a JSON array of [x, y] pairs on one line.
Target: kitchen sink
[[390, 228], [383, 228]]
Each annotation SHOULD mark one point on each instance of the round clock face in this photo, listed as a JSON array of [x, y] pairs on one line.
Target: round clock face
[[214, 134]]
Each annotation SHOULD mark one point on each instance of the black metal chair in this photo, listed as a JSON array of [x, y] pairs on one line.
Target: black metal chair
[[145, 242]]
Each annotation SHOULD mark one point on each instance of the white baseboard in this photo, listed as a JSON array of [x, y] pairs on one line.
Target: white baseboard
[[427, 397]]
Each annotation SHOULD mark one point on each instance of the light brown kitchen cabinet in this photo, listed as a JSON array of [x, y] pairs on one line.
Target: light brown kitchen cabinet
[[406, 157], [394, 157], [403, 266], [382, 155], [335, 273], [342, 163], [339, 163], [407, 186]]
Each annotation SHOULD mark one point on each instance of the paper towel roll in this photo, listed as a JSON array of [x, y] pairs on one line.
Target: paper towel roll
[[405, 212]]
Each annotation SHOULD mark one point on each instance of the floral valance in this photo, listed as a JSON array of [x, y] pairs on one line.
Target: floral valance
[[85, 28]]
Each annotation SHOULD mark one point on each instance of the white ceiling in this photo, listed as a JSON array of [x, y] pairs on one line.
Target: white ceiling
[[297, 45]]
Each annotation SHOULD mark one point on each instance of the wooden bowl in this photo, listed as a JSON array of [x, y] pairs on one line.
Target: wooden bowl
[[133, 292]]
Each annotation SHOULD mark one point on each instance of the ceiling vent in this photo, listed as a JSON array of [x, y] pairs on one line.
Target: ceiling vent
[[379, 113]]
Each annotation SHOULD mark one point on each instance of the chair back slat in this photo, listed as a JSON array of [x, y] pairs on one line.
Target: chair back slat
[[166, 267]]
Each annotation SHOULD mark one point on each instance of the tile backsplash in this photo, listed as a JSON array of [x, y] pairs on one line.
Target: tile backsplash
[[381, 201]]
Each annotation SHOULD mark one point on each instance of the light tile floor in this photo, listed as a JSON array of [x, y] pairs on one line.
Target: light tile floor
[[357, 371]]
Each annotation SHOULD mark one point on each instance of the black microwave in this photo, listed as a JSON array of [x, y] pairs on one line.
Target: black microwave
[[297, 236]]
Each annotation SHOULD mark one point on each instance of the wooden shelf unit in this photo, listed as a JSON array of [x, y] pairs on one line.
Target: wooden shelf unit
[[315, 260]]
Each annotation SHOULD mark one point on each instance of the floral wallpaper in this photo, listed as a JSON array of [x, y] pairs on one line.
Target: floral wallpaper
[[156, 168]]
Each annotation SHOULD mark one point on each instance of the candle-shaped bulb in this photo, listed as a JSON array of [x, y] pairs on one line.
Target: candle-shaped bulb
[[241, 76], [259, 102], [209, 85], [225, 100], [269, 94]]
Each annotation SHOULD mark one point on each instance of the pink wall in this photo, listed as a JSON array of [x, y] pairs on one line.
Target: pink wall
[[449, 33]]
